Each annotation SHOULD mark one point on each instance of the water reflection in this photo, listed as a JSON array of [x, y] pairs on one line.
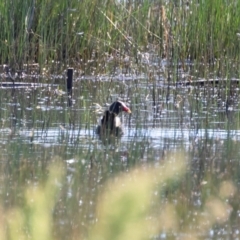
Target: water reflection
[[38, 124]]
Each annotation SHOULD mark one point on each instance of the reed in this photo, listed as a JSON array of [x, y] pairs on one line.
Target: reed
[[73, 33], [147, 201]]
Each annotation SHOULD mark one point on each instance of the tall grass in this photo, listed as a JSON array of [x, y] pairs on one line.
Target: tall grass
[[74, 32], [145, 203]]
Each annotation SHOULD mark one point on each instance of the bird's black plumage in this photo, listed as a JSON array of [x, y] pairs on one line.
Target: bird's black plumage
[[110, 122]]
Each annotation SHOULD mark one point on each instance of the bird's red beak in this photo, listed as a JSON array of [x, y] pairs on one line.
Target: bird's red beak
[[126, 109]]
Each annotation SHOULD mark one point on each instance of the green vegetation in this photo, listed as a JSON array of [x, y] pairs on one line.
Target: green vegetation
[[128, 188], [33, 220], [54, 33], [144, 203]]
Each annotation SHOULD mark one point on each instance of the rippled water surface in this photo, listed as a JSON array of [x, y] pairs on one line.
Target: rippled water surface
[[37, 124]]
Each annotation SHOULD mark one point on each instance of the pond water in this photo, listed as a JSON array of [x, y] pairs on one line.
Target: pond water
[[37, 124]]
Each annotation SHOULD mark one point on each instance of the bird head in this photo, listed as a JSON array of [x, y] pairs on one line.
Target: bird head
[[119, 106]]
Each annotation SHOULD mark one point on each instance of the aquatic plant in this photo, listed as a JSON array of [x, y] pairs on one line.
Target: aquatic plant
[[146, 202], [86, 34]]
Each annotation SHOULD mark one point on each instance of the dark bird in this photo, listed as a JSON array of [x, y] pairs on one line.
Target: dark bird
[[110, 123]]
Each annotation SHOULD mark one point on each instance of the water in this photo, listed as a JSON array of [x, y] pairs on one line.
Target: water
[[37, 125]]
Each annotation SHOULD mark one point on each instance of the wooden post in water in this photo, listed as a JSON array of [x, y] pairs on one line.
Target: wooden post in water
[[69, 85]]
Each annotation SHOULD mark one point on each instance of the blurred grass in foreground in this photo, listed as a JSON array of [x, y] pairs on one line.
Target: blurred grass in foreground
[[34, 219], [134, 205], [126, 210]]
